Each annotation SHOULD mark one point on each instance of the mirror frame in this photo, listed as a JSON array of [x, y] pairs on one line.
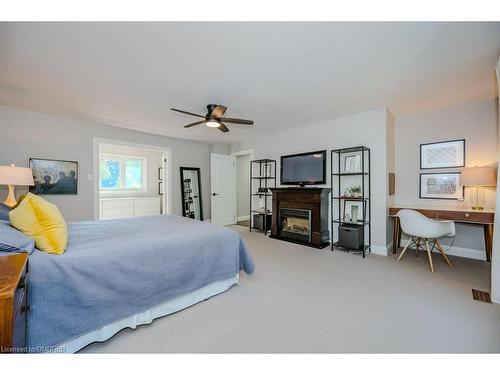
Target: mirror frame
[[182, 169]]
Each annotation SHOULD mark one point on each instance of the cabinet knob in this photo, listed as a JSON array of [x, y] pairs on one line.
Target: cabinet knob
[[467, 214]]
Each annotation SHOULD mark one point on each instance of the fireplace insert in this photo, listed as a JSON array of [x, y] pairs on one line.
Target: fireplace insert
[[295, 224]]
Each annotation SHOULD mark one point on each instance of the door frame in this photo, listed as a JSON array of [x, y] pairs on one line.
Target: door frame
[[250, 152], [167, 174]]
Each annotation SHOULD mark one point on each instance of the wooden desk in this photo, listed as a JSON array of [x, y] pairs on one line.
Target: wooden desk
[[483, 218]]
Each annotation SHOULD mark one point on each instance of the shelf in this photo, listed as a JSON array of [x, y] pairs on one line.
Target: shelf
[[351, 149], [336, 244], [260, 212], [358, 223], [263, 161], [263, 171], [352, 198], [363, 178], [351, 174]]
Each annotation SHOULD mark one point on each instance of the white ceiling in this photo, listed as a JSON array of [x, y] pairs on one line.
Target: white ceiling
[[280, 75]]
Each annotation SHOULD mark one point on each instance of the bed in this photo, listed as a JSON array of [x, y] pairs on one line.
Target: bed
[[126, 272]]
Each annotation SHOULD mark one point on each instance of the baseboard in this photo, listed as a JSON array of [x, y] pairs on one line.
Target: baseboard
[[456, 251], [241, 218], [379, 250], [466, 253]]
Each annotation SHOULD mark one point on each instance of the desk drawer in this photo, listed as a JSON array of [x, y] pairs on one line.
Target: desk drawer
[[467, 217], [429, 213]]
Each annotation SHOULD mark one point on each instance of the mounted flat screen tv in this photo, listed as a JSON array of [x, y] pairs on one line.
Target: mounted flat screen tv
[[304, 169]]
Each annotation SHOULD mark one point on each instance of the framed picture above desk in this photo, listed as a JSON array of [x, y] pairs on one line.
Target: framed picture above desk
[[484, 218]]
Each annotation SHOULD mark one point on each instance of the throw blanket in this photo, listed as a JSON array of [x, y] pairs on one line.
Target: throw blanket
[[113, 269]]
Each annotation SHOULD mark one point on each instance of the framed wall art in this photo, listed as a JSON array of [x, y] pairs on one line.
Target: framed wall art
[[54, 176], [441, 186], [352, 163], [448, 154], [354, 211]]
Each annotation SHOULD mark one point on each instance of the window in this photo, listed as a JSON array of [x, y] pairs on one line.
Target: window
[[109, 173], [123, 173]]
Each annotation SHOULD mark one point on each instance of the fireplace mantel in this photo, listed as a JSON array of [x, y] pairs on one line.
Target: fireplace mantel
[[314, 200]]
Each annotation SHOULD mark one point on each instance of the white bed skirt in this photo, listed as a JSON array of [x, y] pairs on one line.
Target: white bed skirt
[[146, 317]]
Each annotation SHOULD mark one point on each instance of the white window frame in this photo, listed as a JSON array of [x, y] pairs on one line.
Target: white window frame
[[122, 159]]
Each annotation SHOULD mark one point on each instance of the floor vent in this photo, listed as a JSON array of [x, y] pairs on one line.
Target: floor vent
[[479, 295]]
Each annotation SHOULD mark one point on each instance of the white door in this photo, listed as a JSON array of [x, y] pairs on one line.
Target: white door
[[223, 189]]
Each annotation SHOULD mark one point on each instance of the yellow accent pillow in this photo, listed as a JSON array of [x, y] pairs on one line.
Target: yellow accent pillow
[[42, 221]]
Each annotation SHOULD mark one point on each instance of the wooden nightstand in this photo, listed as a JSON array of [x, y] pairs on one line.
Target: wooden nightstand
[[13, 303]]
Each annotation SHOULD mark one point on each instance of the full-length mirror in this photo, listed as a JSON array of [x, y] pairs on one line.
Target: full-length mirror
[[192, 205]]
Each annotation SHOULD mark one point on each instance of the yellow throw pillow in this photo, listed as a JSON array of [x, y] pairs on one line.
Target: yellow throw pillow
[[42, 221]]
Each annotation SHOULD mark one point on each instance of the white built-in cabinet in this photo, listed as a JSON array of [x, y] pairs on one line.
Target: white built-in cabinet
[[116, 208]]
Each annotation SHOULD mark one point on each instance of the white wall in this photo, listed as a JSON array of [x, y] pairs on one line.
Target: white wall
[[477, 123], [367, 128], [25, 134], [154, 161], [243, 185]]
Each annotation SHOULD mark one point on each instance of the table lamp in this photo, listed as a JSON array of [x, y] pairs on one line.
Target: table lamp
[[11, 176], [478, 177]]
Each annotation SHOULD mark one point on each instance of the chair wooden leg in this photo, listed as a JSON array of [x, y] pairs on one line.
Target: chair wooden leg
[[429, 255], [417, 250], [440, 248], [406, 247]]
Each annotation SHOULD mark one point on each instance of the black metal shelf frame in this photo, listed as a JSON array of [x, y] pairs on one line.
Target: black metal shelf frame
[[336, 179], [265, 167]]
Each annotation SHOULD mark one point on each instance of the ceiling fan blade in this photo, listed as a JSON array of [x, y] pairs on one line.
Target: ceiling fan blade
[[238, 121], [223, 128], [218, 112], [194, 123], [187, 113]]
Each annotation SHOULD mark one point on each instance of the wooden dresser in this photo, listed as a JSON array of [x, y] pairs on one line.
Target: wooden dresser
[[13, 303]]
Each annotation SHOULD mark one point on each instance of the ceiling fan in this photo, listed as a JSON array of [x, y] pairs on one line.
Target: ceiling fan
[[214, 118]]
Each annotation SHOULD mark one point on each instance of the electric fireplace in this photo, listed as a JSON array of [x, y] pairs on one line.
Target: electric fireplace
[[300, 215], [295, 224]]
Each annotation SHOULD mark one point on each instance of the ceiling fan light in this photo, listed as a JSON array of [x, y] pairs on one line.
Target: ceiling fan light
[[212, 123]]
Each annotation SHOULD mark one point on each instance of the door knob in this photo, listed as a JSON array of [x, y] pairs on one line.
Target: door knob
[[214, 194]]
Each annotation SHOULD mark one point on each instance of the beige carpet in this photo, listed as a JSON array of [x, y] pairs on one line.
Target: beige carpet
[[300, 299]]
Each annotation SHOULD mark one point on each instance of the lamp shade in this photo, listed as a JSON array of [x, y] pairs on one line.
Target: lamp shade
[[478, 176], [12, 175]]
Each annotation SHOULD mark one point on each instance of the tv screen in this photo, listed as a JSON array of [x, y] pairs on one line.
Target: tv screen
[[304, 169]]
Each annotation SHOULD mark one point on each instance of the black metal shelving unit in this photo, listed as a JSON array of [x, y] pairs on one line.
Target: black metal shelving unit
[[262, 177], [338, 172]]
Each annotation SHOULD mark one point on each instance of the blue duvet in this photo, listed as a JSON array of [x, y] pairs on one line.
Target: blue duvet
[[116, 268]]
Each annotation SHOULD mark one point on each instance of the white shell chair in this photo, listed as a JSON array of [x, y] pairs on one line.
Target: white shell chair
[[421, 229]]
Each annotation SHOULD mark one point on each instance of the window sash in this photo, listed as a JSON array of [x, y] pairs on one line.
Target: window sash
[[122, 162]]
